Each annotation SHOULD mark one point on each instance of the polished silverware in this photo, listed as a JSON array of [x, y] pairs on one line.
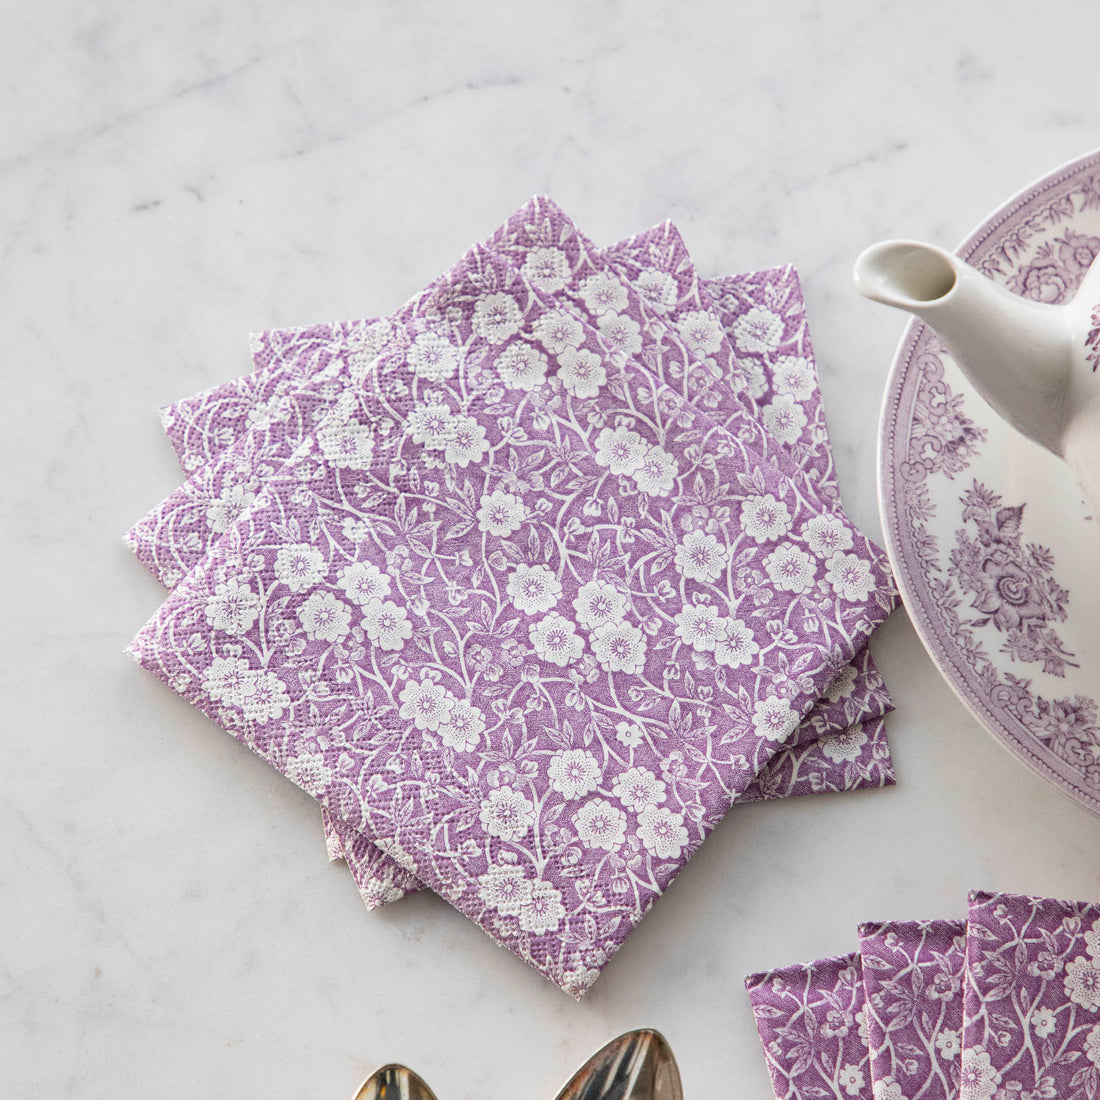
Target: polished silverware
[[636, 1066], [394, 1082]]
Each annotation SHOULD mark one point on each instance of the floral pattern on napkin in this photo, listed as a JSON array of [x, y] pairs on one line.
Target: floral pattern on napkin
[[1032, 991], [912, 978], [813, 1026], [554, 833]]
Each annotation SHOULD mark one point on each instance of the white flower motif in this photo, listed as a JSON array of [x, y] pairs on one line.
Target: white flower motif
[[1092, 940], [1043, 1021], [558, 331], [662, 832], [850, 577], [226, 678], [522, 366], [1082, 982], [621, 450], [794, 376], [386, 624], [700, 627], [888, 1089], [784, 419], [1092, 1045], [555, 639], [222, 512], [603, 293], [620, 335], [264, 413], [507, 814], [543, 910], [736, 646], [851, 1079], [467, 443], [629, 734], [790, 569], [826, 534], [948, 1043], [700, 557], [755, 378], [464, 727], [758, 330], [581, 372], [496, 317], [500, 513], [263, 697], [574, 772], [700, 332], [764, 518], [619, 647], [504, 888], [598, 602], [657, 289], [433, 357], [233, 607], [426, 704], [978, 1079], [309, 771], [299, 566], [774, 719], [363, 582], [657, 473], [346, 444], [325, 618], [431, 423], [533, 588], [841, 685], [599, 824], [638, 788], [844, 746], [546, 269]]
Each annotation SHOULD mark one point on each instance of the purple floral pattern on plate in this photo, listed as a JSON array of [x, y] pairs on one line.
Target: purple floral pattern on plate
[[1032, 999], [560, 832], [912, 978], [986, 594], [813, 1026]]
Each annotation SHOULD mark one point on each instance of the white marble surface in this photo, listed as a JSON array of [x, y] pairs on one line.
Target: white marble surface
[[172, 175]]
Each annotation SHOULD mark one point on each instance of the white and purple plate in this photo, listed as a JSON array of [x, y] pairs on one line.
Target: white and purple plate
[[996, 558]]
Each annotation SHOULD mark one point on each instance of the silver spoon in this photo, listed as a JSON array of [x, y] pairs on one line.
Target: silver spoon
[[636, 1066], [394, 1082]]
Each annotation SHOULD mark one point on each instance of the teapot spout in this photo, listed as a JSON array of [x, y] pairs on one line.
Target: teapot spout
[[1017, 353]]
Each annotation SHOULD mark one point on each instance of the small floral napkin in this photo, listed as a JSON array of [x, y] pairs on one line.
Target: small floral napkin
[[511, 797], [912, 977], [1002, 1006], [812, 1022], [1032, 992]]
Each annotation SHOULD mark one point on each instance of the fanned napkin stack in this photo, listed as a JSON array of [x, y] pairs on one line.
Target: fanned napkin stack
[[1002, 1006], [530, 581]]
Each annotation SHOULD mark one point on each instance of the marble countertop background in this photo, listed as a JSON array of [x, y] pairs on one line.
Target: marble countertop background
[[173, 175]]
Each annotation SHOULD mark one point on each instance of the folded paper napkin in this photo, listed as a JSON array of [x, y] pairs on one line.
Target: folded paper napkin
[[1002, 1006], [519, 592], [763, 311], [223, 436]]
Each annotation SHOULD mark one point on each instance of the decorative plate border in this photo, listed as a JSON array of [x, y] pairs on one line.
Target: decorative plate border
[[917, 395]]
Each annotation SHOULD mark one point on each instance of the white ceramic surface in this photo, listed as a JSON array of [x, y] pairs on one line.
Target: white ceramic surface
[[988, 534], [173, 175]]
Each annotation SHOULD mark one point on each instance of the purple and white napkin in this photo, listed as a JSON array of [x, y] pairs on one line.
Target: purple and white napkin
[[516, 584], [1002, 1006]]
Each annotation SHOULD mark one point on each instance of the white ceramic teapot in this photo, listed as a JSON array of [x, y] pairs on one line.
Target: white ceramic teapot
[[1036, 364]]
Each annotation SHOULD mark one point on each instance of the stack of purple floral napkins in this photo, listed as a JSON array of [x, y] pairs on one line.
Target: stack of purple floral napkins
[[530, 581], [1002, 1006]]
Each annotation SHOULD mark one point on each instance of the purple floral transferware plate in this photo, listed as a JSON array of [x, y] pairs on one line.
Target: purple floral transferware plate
[[990, 541]]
